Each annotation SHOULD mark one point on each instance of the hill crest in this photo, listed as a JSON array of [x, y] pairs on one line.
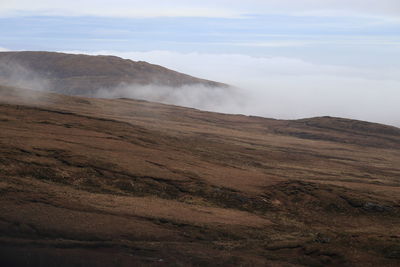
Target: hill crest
[[79, 74]]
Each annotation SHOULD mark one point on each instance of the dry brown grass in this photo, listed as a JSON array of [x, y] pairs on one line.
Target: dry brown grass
[[142, 181], [83, 74]]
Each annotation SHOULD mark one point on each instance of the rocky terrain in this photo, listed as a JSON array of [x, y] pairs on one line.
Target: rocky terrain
[[122, 182]]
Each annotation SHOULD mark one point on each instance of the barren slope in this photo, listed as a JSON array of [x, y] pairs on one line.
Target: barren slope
[[83, 74], [95, 182]]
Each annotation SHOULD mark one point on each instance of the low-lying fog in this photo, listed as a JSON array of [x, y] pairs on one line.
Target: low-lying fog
[[281, 88]]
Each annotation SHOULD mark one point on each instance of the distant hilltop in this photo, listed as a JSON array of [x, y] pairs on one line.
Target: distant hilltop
[[74, 74]]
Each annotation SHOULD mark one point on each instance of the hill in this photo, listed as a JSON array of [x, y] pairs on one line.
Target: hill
[[84, 75], [122, 182]]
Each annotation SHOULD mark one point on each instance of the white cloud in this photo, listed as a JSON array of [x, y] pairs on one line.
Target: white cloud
[[322, 8], [282, 87], [115, 8], [206, 8], [2, 49], [278, 43]]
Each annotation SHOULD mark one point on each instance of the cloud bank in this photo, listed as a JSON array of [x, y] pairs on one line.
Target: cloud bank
[[198, 96], [278, 87]]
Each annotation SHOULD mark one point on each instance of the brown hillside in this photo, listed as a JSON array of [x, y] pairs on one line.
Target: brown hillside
[[100, 182], [83, 74]]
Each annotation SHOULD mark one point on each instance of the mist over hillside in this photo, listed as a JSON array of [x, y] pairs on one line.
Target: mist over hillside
[[257, 86], [200, 133], [114, 77]]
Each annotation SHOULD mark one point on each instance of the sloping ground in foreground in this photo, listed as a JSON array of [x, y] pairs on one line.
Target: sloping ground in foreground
[[95, 182]]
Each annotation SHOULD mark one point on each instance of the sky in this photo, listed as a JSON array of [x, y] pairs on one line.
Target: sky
[[290, 58]]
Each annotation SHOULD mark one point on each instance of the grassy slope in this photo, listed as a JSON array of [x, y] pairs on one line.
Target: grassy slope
[[83, 74], [115, 182]]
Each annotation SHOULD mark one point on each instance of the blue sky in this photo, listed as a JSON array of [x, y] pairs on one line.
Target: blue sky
[[339, 40], [346, 46]]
